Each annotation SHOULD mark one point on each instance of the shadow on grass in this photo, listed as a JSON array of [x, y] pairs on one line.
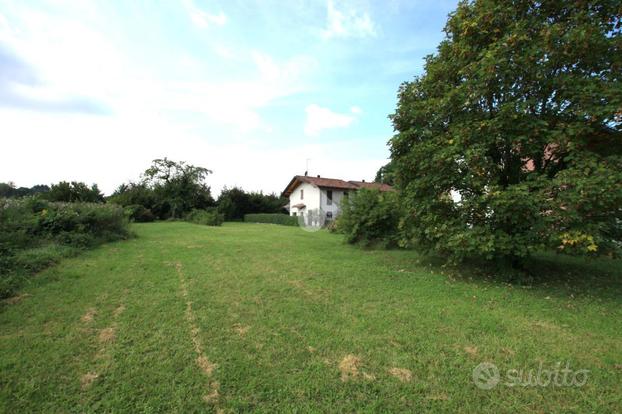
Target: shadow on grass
[[549, 272]]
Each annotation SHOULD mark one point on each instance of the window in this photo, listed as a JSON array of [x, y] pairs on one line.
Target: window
[[302, 194], [294, 213], [345, 193], [329, 197]]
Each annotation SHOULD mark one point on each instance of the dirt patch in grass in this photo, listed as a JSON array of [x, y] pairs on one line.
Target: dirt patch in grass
[[89, 315], [241, 329], [206, 366], [508, 351], [119, 310], [88, 379], [214, 393], [107, 335], [368, 377], [402, 374], [297, 283], [349, 367], [471, 350]]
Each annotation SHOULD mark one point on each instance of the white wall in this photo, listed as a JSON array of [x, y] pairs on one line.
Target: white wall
[[311, 198], [335, 207]]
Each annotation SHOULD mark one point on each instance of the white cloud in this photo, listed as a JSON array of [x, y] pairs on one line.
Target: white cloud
[[4, 26], [112, 150], [103, 74], [70, 63], [73, 60], [289, 71], [237, 102], [203, 19], [268, 69], [347, 23], [156, 113], [319, 118], [223, 51], [356, 110]]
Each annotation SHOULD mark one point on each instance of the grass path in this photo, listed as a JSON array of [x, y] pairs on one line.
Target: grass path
[[187, 318]]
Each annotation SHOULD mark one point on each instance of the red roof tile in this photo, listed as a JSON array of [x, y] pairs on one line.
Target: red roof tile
[[332, 183]]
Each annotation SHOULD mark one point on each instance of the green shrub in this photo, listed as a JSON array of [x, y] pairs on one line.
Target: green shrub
[[139, 213], [82, 224], [370, 217], [277, 218], [35, 233], [208, 217]]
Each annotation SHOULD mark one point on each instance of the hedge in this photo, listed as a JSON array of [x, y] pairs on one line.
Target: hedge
[[208, 217], [277, 218], [35, 233]]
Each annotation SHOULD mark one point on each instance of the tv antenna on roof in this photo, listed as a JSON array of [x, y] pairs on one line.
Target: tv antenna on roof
[[307, 164]]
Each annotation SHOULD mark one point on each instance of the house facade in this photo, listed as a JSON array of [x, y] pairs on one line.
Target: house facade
[[318, 199]]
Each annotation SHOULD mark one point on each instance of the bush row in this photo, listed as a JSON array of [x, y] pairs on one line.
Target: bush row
[[277, 218], [35, 233], [208, 217]]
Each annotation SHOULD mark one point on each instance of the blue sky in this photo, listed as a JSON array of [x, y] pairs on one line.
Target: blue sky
[[93, 91]]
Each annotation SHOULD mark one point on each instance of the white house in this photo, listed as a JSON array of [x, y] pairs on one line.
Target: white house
[[312, 196]]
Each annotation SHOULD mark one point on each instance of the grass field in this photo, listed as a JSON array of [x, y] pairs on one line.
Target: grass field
[[257, 317]]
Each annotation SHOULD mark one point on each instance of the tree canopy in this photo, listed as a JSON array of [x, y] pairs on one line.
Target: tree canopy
[[234, 203], [386, 174], [168, 189], [74, 191], [8, 190], [511, 140]]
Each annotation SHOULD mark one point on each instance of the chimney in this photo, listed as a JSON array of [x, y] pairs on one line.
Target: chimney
[[306, 173], [318, 176], [363, 181]]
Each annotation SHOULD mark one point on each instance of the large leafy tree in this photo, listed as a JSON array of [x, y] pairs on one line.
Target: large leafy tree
[[386, 174], [511, 140], [168, 189], [177, 187], [74, 191], [134, 194]]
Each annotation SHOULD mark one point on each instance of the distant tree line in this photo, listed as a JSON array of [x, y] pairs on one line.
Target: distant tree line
[[8, 190], [170, 189], [235, 203], [166, 190], [64, 191]]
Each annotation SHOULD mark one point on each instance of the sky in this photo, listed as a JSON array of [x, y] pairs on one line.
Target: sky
[[253, 90]]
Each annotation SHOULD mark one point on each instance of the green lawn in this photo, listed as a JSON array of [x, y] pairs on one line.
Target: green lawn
[[258, 317]]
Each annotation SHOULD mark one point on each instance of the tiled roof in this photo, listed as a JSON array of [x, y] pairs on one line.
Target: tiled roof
[[332, 183], [327, 182]]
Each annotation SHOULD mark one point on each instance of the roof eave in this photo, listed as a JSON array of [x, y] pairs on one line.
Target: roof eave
[[291, 187]]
